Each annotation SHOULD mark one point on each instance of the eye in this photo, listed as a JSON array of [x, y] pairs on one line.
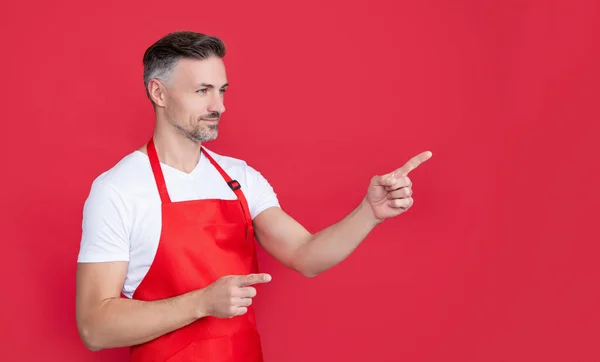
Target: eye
[[223, 90], [203, 90]]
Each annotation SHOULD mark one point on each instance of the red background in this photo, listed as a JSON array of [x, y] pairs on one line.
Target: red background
[[497, 260]]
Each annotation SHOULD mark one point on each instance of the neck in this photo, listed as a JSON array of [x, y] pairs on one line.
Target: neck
[[176, 150]]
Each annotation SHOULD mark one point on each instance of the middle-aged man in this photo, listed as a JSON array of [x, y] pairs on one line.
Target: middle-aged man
[[167, 257]]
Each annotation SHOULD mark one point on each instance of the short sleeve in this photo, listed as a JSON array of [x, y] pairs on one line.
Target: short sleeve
[[105, 235], [261, 194]]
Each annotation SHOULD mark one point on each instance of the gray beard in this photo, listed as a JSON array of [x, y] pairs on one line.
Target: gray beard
[[200, 134]]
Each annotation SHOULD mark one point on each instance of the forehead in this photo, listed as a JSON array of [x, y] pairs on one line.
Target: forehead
[[196, 71]]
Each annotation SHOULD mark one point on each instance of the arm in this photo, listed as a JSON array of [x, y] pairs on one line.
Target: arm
[[310, 254], [105, 320]]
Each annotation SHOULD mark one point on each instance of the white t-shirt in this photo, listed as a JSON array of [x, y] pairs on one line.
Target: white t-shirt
[[122, 214]]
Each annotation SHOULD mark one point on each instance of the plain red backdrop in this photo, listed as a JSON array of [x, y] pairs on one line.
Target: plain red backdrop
[[497, 260]]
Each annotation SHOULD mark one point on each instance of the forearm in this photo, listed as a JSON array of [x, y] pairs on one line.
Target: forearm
[[333, 244], [120, 322]]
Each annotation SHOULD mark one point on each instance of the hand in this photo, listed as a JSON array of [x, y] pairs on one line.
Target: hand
[[390, 195], [230, 296]]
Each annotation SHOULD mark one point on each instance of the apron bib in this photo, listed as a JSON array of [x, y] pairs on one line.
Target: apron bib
[[200, 241]]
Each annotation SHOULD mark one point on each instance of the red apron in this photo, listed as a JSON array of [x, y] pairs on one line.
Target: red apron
[[200, 241]]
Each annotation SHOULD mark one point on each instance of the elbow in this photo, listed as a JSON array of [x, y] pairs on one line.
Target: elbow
[[301, 263], [304, 266], [90, 343], [92, 347], [302, 269], [308, 272], [89, 338]]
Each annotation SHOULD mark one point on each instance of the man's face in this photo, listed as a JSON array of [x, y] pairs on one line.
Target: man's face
[[194, 97]]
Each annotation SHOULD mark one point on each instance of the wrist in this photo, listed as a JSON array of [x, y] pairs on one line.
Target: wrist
[[198, 303], [366, 212]]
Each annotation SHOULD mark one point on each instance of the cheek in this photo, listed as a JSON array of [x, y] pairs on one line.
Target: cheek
[[175, 106], [193, 105]]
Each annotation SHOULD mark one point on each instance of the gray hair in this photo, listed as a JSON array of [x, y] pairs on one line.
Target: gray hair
[[161, 57]]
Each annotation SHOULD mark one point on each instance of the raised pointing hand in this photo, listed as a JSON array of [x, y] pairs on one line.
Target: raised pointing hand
[[390, 195]]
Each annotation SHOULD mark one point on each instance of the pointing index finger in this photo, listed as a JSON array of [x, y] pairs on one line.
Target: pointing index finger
[[414, 163], [251, 279]]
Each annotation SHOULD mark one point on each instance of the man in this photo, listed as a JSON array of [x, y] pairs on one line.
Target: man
[[167, 258]]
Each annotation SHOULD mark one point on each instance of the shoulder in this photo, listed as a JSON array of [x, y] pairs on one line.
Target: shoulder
[[107, 211], [129, 169], [130, 175], [119, 191], [116, 187]]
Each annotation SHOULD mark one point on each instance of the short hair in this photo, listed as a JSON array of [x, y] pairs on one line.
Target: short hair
[[162, 56]]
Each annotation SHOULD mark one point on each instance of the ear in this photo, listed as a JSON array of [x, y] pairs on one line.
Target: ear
[[157, 93]]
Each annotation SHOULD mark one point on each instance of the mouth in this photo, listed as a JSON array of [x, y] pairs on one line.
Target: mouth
[[210, 120]]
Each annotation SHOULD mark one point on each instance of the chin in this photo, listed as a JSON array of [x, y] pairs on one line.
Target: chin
[[210, 139], [211, 133], [205, 136]]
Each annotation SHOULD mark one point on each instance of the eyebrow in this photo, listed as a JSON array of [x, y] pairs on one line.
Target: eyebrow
[[206, 85]]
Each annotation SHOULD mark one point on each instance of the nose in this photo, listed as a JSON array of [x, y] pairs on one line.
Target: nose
[[216, 103]]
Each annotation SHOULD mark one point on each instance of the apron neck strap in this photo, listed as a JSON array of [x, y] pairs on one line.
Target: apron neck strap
[[158, 174], [235, 187]]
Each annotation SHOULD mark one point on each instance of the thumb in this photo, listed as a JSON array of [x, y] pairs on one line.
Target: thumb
[[251, 279]]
